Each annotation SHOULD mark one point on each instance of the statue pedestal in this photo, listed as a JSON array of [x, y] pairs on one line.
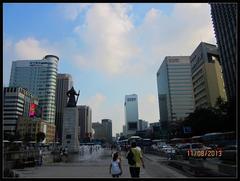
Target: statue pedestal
[[70, 129]]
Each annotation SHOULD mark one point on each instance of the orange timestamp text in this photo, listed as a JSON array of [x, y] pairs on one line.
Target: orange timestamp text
[[205, 153]]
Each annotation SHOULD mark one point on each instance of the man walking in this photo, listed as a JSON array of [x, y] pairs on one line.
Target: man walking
[[134, 166]]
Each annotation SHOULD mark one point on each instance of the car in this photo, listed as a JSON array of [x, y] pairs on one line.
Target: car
[[154, 147], [213, 146]]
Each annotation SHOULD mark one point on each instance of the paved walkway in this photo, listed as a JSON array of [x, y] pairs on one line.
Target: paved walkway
[[93, 167], [98, 167]]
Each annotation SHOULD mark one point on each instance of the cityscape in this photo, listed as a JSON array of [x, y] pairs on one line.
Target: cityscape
[[85, 85]]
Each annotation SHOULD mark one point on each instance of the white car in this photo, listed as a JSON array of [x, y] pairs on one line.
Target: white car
[[168, 149]]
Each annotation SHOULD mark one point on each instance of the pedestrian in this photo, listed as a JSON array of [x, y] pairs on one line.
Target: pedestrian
[[115, 166], [40, 157], [65, 153], [137, 160]]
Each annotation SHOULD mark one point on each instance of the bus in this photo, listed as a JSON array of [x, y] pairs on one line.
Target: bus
[[176, 141], [197, 139], [146, 142], [220, 139], [159, 141], [137, 139]]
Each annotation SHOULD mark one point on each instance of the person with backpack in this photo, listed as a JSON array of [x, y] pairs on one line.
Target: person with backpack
[[135, 160], [115, 166]]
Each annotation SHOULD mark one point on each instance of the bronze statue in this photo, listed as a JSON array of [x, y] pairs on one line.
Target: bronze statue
[[71, 94]]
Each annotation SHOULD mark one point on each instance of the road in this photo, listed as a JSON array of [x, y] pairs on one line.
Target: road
[[96, 165]]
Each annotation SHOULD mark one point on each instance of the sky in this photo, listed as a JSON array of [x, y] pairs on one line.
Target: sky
[[110, 49]]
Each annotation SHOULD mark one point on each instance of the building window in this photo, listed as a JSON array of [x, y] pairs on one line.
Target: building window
[[68, 136]]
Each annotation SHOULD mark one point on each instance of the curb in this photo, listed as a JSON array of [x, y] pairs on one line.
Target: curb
[[194, 170]]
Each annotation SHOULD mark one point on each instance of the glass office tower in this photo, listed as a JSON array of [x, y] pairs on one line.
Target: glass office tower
[[131, 113], [175, 90], [39, 77]]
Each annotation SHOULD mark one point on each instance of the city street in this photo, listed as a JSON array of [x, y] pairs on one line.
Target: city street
[[96, 165]]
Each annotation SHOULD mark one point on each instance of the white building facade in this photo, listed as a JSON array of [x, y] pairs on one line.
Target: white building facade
[[17, 102]]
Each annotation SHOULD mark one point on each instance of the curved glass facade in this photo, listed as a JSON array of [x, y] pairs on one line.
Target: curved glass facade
[[39, 77]]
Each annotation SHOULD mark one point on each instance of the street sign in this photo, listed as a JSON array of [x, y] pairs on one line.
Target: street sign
[[187, 130]]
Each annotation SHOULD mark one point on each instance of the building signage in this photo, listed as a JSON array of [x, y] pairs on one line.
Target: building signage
[[32, 111]]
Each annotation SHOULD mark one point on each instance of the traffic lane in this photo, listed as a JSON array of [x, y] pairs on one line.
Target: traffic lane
[[157, 168]]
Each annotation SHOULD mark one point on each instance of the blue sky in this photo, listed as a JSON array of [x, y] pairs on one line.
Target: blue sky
[[109, 49]]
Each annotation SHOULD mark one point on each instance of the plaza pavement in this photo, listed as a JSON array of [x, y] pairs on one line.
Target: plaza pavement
[[97, 166]]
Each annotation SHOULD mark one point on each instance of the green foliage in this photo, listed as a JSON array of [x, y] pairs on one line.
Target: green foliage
[[212, 119]]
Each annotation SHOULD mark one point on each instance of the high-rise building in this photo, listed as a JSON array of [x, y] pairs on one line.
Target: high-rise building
[[85, 122], [17, 102], [207, 77], [131, 113], [39, 77], [175, 91], [124, 130], [142, 125], [224, 17], [107, 124], [64, 84], [99, 131]]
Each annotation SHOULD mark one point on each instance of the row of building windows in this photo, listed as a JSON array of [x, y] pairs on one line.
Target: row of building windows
[[199, 88], [178, 65], [198, 74], [8, 103], [179, 79], [200, 94], [131, 99], [13, 97], [201, 99], [198, 81], [172, 89], [181, 93], [11, 118]]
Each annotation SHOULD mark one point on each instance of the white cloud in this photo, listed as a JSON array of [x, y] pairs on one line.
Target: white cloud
[[72, 10], [28, 48], [31, 48], [106, 33], [97, 102], [115, 45], [148, 108], [176, 34]]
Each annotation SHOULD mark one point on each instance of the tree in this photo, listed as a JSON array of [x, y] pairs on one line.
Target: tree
[[40, 136], [203, 120], [226, 112]]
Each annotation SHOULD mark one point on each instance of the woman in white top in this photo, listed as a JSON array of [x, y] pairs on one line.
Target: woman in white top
[[115, 166]]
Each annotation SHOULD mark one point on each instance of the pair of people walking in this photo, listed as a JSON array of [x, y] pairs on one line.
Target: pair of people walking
[[135, 161]]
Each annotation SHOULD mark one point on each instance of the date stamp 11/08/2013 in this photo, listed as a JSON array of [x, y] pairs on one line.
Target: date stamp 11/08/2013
[[205, 153]]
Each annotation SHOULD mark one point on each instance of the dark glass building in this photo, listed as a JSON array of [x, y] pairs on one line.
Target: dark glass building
[[224, 17], [64, 84]]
